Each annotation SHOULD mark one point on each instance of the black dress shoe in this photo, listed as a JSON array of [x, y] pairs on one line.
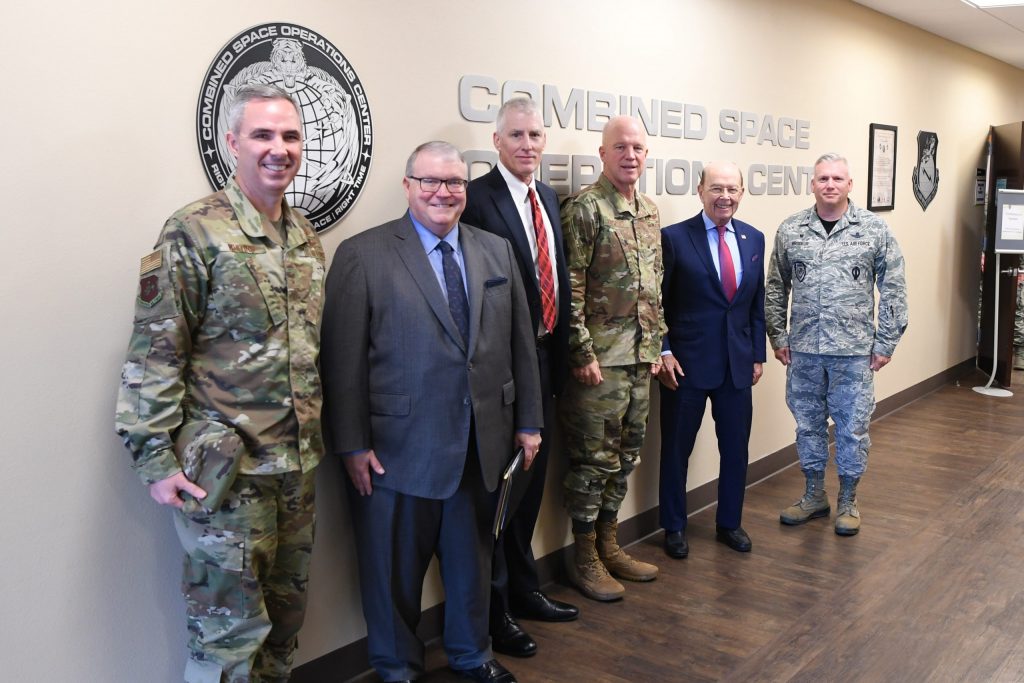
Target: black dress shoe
[[736, 539], [488, 672], [676, 545], [509, 638], [539, 607]]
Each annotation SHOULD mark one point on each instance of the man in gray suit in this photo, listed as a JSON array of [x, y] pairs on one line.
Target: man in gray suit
[[431, 381]]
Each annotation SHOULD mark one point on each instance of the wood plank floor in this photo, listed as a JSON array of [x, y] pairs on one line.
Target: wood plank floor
[[932, 589]]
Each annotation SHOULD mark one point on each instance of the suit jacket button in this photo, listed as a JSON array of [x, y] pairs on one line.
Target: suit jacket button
[[466, 401]]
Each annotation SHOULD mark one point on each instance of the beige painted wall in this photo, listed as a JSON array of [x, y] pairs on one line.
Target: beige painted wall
[[99, 122]]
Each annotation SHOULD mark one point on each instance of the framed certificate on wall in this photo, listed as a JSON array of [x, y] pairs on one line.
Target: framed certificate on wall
[[881, 167]]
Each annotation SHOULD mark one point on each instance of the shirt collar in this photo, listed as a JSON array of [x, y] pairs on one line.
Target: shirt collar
[[430, 240], [517, 187], [710, 224], [251, 220]]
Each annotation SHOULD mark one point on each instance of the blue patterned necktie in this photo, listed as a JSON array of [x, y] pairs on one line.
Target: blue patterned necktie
[[457, 302]]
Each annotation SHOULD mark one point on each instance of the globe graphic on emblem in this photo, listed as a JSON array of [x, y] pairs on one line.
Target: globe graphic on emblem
[[322, 144]]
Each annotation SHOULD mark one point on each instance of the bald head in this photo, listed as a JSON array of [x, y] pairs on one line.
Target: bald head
[[623, 152], [618, 125]]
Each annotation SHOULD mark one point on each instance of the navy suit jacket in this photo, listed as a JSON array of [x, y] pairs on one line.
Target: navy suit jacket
[[489, 206], [706, 332], [399, 379]]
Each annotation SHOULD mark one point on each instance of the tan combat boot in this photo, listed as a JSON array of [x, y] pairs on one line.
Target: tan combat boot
[[847, 514], [588, 574], [615, 558], [813, 504]]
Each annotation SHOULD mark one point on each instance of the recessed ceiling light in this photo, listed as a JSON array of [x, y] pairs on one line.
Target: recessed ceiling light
[[989, 4]]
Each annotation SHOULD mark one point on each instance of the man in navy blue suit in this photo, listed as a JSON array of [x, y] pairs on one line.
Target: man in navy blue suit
[[714, 307]]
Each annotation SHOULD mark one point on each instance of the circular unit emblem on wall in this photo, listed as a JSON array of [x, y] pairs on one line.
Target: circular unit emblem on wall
[[337, 130]]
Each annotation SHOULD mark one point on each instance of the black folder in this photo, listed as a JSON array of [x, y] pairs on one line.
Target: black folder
[[510, 490]]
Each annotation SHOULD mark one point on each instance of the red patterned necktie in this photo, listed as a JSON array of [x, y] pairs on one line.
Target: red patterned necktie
[[725, 265], [545, 274]]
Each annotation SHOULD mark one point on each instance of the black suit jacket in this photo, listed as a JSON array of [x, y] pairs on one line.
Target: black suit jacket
[[489, 206], [398, 377], [707, 332]]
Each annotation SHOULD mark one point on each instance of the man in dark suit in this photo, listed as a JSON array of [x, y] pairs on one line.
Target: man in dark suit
[[508, 202], [431, 381], [713, 295]]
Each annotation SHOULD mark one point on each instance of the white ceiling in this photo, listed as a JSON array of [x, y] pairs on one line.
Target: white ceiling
[[997, 32]]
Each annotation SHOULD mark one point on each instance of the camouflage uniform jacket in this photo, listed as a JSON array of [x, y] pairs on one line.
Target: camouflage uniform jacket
[[613, 253], [832, 278], [226, 330]]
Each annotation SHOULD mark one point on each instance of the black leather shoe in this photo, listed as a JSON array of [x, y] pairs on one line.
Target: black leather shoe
[[539, 607], [488, 672], [509, 638], [676, 545], [736, 539]]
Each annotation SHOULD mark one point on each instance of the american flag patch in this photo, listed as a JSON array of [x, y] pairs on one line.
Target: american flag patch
[[151, 262]]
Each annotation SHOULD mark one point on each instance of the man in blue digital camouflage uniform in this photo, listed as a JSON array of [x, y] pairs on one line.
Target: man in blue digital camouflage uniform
[[830, 258]]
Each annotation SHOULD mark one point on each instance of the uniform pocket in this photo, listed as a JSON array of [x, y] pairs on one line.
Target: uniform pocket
[[214, 580], [273, 297], [239, 303], [132, 373]]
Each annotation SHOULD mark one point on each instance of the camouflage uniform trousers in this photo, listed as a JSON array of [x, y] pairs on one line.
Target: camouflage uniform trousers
[[819, 386], [244, 579], [604, 428]]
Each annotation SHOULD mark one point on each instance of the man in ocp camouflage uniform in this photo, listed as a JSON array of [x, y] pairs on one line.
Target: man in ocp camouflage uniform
[[220, 397], [613, 254], [830, 258]]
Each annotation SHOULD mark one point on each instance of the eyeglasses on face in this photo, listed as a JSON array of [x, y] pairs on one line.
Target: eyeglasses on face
[[454, 185]]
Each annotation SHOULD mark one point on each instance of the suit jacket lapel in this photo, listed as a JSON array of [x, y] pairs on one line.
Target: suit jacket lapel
[[699, 237], [510, 214], [410, 250], [473, 256], [746, 254]]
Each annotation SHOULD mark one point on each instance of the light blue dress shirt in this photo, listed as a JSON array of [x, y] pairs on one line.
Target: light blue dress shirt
[[430, 242]]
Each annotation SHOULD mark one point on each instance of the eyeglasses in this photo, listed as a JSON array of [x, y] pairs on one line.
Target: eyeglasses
[[454, 185], [718, 190]]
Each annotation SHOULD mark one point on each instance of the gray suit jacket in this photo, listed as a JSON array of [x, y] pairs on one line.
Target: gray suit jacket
[[398, 377]]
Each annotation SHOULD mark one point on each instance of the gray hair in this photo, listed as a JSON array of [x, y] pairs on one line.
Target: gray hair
[[829, 157], [438, 147], [523, 105], [254, 91]]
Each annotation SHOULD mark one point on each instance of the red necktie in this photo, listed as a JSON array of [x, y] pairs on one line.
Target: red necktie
[[725, 265], [545, 275]]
